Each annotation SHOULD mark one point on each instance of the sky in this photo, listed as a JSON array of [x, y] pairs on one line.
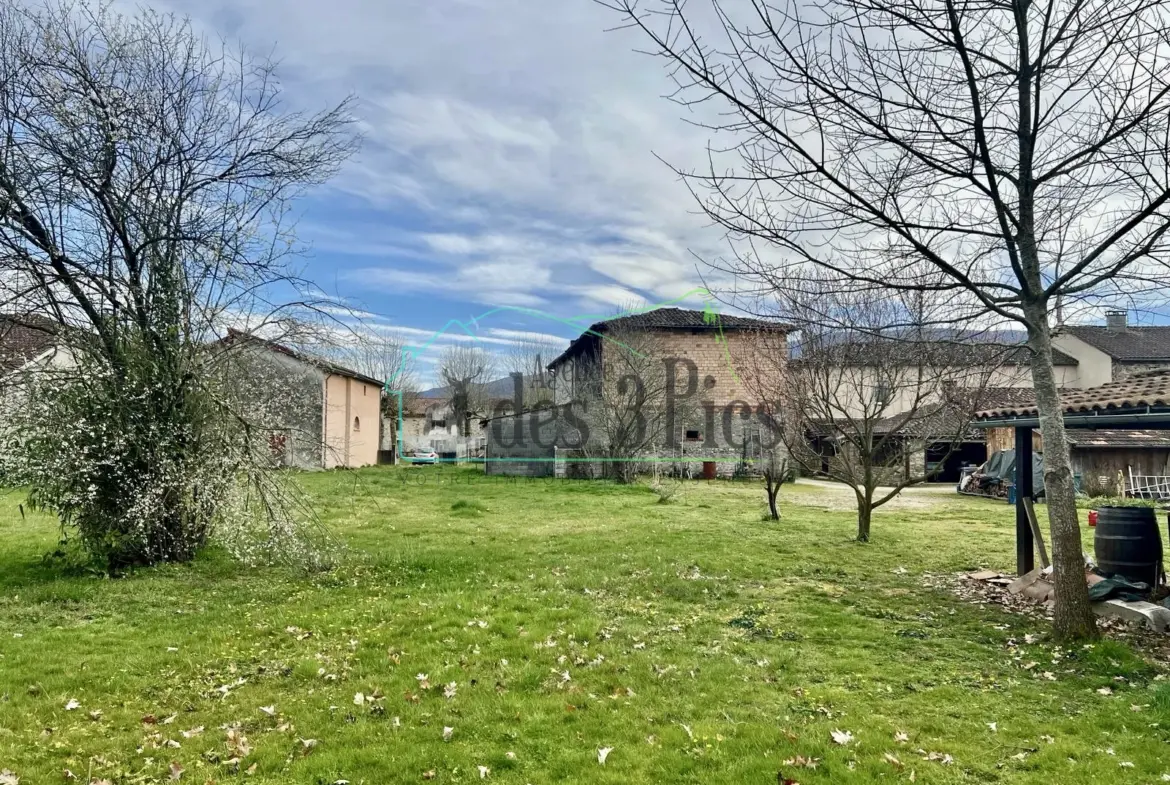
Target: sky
[[513, 157]]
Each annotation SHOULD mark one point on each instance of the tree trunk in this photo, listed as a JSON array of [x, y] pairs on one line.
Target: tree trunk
[[772, 486], [864, 516], [1073, 618]]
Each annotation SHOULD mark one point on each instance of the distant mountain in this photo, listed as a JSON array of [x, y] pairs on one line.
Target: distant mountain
[[498, 388]]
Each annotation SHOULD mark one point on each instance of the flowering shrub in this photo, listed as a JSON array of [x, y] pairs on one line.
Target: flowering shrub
[[143, 471]]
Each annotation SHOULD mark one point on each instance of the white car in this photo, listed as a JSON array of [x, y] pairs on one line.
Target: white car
[[422, 456]]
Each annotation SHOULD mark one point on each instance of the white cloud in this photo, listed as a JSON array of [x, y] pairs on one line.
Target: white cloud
[[521, 135]]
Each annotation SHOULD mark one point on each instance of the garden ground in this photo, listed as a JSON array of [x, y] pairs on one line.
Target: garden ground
[[515, 630]]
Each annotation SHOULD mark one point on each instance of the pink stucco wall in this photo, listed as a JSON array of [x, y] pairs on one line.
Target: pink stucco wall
[[352, 417]]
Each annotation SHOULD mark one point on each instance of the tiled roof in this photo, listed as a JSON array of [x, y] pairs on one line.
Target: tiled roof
[[1003, 397], [1140, 390], [950, 418], [937, 352], [23, 338], [1114, 439], [684, 318], [1131, 344], [318, 362], [933, 421], [669, 319]]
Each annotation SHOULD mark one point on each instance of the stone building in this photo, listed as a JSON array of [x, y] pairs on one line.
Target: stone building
[[1114, 351], [698, 410], [321, 415]]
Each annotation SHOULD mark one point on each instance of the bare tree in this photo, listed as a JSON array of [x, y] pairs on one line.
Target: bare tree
[[1018, 148], [622, 389], [466, 370], [775, 472], [529, 359], [381, 357], [862, 401], [145, 176]]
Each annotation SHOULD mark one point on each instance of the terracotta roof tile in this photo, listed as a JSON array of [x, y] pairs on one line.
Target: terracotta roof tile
[[1147, 389]]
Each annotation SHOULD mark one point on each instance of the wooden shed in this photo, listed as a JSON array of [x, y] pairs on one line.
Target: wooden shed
[[1135, 405]]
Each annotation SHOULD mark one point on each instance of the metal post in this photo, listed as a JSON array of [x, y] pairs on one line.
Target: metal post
[[1025, 547]]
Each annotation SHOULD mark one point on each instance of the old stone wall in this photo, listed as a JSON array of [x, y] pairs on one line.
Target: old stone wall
[[1124, 370], [711, 415]]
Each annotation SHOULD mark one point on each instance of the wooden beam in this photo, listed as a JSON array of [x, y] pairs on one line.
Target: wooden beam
[[1025, 559], [1036, 532]]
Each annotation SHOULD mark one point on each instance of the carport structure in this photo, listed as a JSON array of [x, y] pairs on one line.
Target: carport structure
[[1140, 402]]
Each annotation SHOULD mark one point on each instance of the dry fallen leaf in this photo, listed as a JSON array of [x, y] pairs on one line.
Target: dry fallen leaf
[[237, 743], [803, 762], [8, 778], [901, 736], [483, 772], [841, 736], [269, 710], [429, 775], [176, 771], [603, 753], [447, 733], [72, 705], [890, 759]]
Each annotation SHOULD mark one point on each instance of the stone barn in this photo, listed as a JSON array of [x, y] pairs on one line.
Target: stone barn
[[697, 406]]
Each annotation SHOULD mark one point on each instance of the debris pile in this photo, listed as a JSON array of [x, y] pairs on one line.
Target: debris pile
[[1143, 625]]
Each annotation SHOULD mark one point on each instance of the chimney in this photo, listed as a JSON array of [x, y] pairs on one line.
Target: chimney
[[1116, 321]]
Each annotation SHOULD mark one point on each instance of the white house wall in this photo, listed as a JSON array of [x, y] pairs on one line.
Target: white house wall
[[1094, 368]]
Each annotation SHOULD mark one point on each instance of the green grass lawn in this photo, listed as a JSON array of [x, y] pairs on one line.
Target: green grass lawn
[[697, 641]]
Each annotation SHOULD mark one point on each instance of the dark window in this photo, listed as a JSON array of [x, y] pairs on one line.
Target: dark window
[[882, 393], [694, 436], [357, 424]]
